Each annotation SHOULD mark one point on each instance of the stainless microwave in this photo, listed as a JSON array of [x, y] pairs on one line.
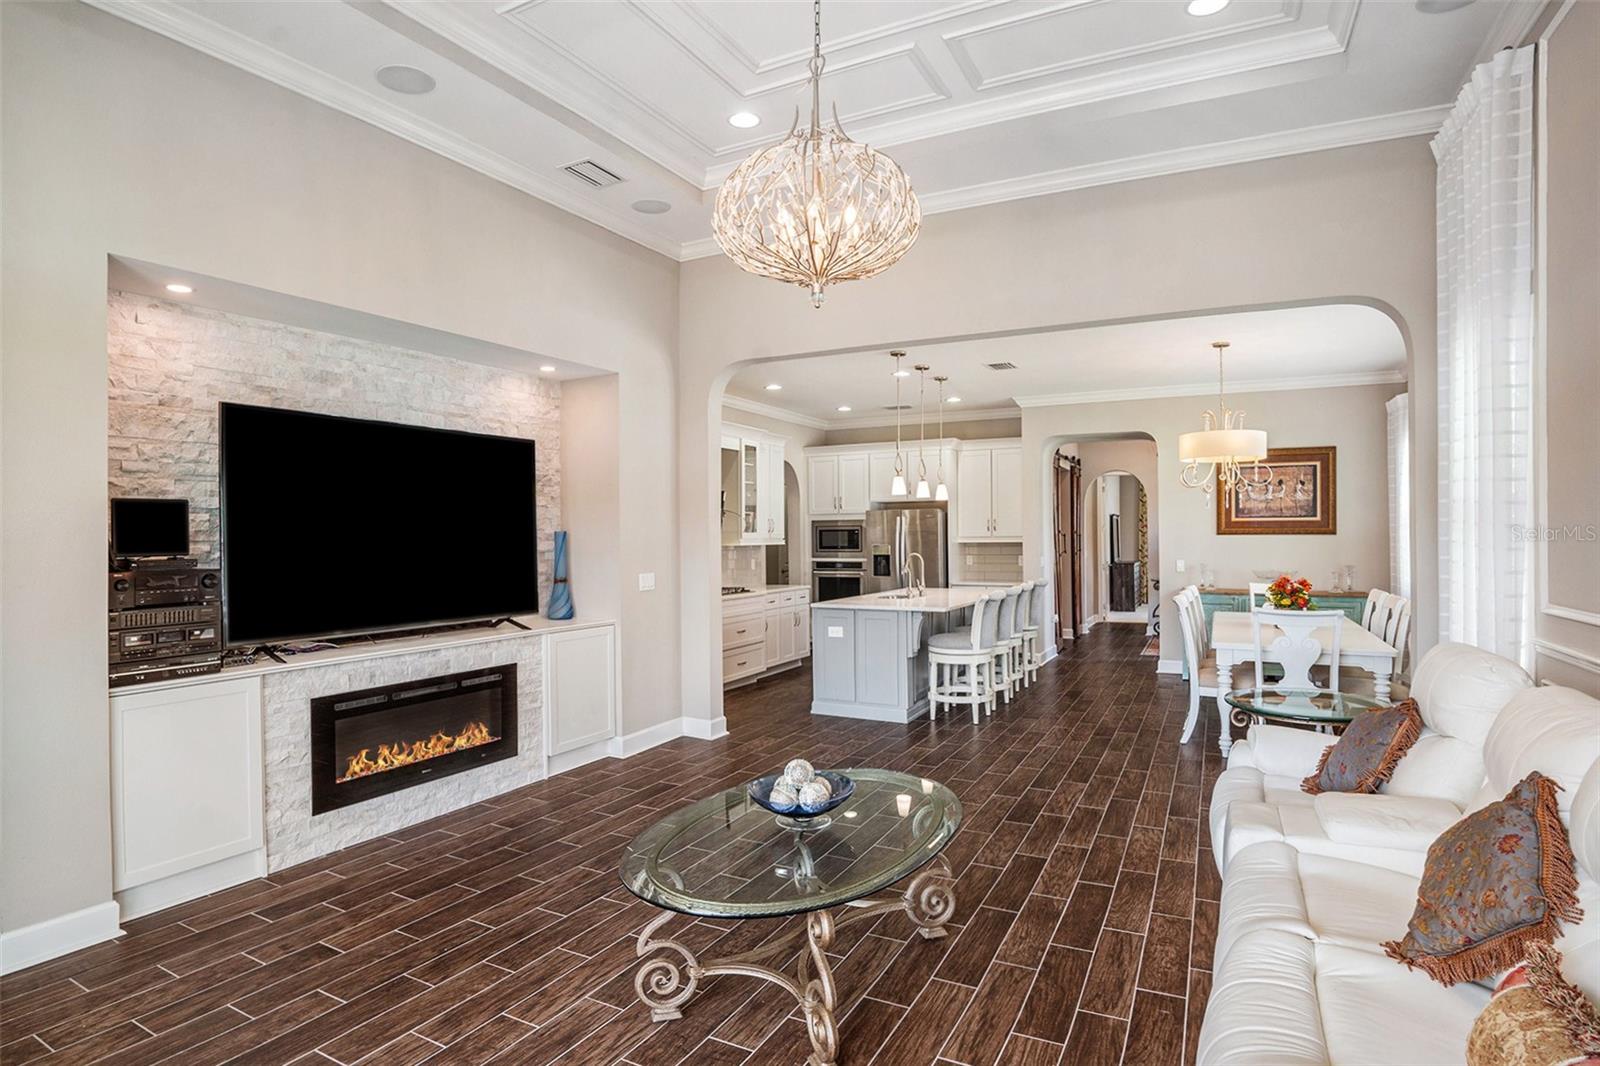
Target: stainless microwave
[[831, 540]]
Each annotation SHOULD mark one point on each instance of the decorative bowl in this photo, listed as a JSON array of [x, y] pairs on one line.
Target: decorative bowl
[[761, 788]]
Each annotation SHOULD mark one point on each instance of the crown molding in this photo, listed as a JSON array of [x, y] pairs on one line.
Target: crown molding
[[885, 419], [183, 25], [1420, 122], [1235, 388], [1515, 21], [767, 410]]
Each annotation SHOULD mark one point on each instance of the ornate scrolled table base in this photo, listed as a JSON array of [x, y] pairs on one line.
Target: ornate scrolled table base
[[666, 981]]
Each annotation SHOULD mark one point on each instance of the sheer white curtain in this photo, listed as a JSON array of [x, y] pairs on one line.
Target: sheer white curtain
[[1399, 411], [1485, 265]]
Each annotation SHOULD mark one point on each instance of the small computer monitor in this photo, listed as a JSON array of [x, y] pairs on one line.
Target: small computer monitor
[[145, 527]]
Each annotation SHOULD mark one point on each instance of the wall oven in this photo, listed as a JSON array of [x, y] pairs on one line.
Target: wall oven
[[834, 579], [835, 539]]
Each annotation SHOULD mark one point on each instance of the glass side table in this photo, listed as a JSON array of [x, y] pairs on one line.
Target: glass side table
[[1323, 709], [726, 857]]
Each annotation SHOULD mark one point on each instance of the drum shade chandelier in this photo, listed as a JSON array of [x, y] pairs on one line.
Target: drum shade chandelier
[[816, 208], [1224, 455]]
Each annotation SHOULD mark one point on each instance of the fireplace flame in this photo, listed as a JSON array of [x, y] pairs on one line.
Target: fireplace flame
[[394, 756]]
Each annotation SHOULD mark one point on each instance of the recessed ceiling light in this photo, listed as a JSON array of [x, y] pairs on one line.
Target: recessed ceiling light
[[744, 120], [842, 408], [652, 207], [953, 399], [774, 387], [1206, 7], [547, 369], [902, 373], [180, 288], [408, 80]]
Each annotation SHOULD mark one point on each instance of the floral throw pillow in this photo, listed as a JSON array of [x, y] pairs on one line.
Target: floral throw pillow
[[1365, 756], [1536, 1018], [1493, 883]]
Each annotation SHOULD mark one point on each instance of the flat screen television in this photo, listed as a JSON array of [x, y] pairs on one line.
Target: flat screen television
[[335, 526]]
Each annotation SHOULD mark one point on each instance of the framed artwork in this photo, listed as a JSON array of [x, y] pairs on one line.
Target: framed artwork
[[1303, 496]]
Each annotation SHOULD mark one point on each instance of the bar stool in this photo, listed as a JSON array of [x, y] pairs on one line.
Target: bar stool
[[1033, 631], [970, 648], [1008, 643]]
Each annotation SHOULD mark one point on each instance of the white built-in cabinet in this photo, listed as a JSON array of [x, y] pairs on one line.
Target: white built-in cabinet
[[764, 631], [580, 673], [186, 791], [752, 486], [836, 483], [989, 504]]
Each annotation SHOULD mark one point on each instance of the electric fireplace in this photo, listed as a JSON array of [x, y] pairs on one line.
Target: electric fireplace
[[380, 740]]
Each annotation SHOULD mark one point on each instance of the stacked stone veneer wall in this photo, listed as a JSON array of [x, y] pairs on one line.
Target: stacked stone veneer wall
[[294, 836], [171, 364]]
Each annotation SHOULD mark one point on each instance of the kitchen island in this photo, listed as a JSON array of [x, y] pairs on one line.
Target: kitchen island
[[869, 654]]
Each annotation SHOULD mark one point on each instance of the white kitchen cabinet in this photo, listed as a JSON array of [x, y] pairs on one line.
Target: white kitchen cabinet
[[581, 687], [880, 476], [989, 493], [764, 632], [837, 483], [186, 791], [770, 505], [752, 486]]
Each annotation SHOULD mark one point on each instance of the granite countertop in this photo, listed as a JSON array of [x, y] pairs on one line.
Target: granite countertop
[[933, 601]]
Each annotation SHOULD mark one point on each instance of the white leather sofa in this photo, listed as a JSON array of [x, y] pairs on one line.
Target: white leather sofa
[[1299, 976], [1458, 688]]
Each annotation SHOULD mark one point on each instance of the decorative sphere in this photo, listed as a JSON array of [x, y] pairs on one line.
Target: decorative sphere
[[797, 773], [813, 794], [782, 797]]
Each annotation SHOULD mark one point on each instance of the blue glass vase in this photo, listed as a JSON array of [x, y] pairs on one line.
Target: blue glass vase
[[560, 606]]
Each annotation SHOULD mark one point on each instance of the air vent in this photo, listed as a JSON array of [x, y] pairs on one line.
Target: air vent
[[591, 174], [897, 407], [1001, 366]]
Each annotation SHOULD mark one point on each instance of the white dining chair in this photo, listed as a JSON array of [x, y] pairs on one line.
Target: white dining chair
[[1258, 594], [1202, 662], [1397, 629], [1375, 598], [961, 662], [1296, 647]]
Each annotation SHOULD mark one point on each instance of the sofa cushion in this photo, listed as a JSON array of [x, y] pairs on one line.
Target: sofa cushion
[[1553, 730], [1410, 822], [1366, 753], [1376, 1012], [1460, 690], [1500, 878]]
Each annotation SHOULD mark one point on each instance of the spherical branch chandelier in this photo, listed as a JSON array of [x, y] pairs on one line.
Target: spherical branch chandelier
[[816, 208]]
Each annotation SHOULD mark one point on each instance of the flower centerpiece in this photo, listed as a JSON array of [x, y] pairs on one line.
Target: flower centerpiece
[[1287, 594]]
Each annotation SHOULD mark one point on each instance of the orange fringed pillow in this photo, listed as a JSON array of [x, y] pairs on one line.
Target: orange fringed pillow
[[1493, 884], [1536, 1018], [1365, 756]]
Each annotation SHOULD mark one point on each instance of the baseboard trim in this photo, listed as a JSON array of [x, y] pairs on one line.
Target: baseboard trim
[[705, 728], [645, 739], [1169, 666], [62, 935], [182, 887]]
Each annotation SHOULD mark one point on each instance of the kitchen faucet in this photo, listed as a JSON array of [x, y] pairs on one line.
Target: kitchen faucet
[[919, 587]]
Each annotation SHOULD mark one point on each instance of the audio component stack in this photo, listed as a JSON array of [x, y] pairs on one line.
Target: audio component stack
[[164, 623]]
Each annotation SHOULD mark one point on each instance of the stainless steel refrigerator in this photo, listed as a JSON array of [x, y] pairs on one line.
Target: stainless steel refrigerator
[[893, 532]]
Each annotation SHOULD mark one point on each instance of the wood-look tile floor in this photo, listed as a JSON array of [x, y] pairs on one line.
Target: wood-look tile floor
[[1087, 909]]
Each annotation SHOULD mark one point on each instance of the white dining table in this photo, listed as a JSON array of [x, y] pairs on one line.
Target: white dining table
[[1233, 639]]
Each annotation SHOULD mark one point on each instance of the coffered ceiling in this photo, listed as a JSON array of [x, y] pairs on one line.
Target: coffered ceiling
[[979, 100]]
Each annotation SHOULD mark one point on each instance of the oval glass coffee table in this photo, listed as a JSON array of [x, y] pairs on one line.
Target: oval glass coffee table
[[1320, 708], [726, 857]]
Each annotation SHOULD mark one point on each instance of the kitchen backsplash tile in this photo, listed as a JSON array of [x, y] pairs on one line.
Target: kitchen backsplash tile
[[999, 563], [744, 564]]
